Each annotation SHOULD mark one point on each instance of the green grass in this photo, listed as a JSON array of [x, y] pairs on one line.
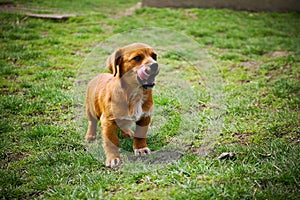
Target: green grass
[[229, 82]]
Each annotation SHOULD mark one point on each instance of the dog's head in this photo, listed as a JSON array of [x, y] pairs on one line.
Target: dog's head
[[135, 63]]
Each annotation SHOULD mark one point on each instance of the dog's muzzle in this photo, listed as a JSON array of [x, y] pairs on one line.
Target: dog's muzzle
[[146, 75]]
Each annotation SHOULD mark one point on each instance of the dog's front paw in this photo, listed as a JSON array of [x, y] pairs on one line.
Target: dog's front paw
[[142, 152], [113, 162]]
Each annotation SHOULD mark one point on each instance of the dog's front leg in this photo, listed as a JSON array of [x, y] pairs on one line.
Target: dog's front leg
[[111, 143], [139, 143]]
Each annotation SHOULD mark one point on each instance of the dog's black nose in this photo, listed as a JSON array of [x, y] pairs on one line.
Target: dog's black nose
[[153, 68]]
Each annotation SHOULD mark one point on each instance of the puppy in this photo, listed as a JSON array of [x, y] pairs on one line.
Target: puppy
[[122, 98]]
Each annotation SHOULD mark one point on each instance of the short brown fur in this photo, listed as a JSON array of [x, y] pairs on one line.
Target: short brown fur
[[118, 100]]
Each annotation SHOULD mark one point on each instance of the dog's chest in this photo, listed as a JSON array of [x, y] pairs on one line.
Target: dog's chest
[[136, 106], [135, 111]]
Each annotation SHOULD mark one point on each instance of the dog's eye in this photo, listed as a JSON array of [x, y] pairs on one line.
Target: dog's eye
[[137, 58], [154, 56]]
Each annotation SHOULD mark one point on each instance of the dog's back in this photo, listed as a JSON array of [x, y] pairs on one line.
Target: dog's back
[[95, 93]]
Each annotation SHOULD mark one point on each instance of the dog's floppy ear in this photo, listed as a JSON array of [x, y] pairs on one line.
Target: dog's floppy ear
[[113, 62]]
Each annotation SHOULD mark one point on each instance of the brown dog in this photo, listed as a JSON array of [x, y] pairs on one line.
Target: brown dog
[[122, 98]]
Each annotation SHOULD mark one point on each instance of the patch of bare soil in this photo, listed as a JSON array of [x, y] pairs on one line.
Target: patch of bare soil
[[204, 150], [242, 138], [9, 157], [7, 7], [277, 54], [129, 11], [251, 64], [159, 157], [190, 14]]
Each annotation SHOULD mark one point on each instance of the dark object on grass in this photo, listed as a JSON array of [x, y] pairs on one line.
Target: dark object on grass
[[226, 155]]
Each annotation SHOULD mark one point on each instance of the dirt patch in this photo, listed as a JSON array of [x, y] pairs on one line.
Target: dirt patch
[[251, 64], [190, 14], [243, 81], [242, 138], [278, 54], [7, 7], [248, 64], [159, 157], [203, 150], [129, 11], [9, 157]]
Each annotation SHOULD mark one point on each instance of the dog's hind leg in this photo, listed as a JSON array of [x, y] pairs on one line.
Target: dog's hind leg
[[92, 127]]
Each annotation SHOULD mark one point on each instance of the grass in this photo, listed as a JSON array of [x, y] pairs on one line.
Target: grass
[[229, 82]]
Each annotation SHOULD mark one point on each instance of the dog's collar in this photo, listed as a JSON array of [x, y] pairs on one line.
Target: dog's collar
[[148, 86]]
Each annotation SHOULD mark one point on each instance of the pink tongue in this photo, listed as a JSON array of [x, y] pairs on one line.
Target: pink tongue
[[142, 73]]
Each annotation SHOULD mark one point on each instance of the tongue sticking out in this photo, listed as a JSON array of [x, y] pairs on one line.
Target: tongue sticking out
[[145, 77], [142, 73]]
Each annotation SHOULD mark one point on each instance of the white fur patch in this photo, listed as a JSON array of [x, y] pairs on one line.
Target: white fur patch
[[113, 162], [142, 151], [137, 112]]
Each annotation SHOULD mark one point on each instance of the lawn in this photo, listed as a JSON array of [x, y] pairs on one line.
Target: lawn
[[226, 123]]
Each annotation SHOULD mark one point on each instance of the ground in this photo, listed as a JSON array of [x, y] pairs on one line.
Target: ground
[[226, 121]]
